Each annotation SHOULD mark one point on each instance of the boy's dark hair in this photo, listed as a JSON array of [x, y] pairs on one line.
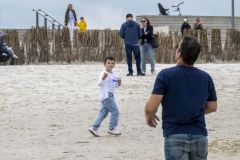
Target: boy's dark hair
[[109, 58], [190, 49], [81, 17]]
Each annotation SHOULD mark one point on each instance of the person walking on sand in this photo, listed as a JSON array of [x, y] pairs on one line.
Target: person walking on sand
[[108, 81], [146, 45], [70, 20], [186, 94], [131, 33]]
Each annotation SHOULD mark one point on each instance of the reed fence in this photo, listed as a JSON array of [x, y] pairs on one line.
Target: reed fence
[[53, 46]]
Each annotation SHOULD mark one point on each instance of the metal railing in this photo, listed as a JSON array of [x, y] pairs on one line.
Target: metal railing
[[47, 17]]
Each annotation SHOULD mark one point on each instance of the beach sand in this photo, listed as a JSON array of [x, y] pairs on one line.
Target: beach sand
[[46, 110]]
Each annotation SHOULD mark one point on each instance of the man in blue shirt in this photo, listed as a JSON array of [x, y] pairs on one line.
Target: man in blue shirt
[[186, 94], [131, 32]]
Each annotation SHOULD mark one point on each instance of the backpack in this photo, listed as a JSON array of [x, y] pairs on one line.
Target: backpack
[[155, 41]]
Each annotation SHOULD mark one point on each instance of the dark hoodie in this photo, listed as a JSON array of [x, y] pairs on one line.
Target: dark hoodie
[[185, 26], [131, 32]]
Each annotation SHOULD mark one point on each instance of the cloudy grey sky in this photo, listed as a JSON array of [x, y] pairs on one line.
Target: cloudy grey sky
[[101, 14]]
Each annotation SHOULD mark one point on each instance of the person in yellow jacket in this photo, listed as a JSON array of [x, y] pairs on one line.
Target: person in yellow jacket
[[82, 25]]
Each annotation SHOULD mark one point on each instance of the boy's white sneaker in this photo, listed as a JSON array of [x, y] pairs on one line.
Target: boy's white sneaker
[[114, 132], [94, 132]]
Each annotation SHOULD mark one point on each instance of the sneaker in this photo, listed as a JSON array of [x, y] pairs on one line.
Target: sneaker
[[114, 132], [140, 74], [4, 54], [153, 71], [130, 74], [15, 56], [94, 132]]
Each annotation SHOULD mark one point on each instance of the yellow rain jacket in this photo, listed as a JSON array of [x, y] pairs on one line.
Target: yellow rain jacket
[[82, 26]]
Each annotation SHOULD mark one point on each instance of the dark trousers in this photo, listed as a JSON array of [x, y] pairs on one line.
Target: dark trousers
[[136, 51]]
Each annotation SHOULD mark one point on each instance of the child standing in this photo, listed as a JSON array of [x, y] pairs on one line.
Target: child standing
[[108, 81], [82, 25]]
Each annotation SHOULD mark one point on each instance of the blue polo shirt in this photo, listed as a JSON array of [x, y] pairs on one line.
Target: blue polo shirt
[[185, 92]]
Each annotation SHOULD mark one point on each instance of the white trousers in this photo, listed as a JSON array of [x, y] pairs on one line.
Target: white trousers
[[71, 28]]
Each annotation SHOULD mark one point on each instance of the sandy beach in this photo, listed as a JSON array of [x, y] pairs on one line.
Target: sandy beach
[[46, 110]]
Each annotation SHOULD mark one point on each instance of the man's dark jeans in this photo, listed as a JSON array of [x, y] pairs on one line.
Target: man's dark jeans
[[136, 51]]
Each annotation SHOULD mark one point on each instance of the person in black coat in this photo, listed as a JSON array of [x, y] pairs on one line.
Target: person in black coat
[[146, 44], [185, 26]]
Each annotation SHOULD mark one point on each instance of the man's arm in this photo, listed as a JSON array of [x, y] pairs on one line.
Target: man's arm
[[140, 33], [210, 107], [151, 108], [122, 32]]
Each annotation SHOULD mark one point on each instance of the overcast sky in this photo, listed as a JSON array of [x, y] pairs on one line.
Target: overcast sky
[[101, 14]]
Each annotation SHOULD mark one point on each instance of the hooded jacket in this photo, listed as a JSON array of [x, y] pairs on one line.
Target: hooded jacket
[[131, 33], [185, 26], [82, 26]]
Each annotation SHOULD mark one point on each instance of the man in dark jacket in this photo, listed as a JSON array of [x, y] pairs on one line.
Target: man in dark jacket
[[185, 26], [131, 32]]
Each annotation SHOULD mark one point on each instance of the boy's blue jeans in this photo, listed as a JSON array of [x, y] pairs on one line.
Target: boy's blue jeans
[[147, 48], [107, 105], [186, 147], [136, 51]]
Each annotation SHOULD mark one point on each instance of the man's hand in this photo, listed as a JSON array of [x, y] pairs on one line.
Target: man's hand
[[152, 119], [151, 109], [105, 74]]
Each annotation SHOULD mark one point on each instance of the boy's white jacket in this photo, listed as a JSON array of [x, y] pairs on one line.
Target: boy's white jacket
[[103, 84]]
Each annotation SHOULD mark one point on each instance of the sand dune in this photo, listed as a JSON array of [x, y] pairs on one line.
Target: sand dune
[[45, 112]]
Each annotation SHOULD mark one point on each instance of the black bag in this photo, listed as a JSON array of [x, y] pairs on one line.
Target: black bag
[[155, 41]]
